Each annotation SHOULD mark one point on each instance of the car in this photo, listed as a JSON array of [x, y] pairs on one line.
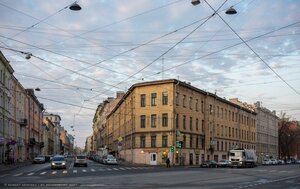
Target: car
[[39, 159], [209, 164], [288, 161], [223, 163], [280, 162], [48, 158], [266, 162], [58, 162], [274, 161], [109, 159], [80, 160]]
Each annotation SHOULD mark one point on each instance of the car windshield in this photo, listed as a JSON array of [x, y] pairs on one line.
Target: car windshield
[[110, 157], [80, 157], [58, 159]]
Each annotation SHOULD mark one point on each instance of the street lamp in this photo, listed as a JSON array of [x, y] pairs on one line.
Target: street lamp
[[231, 11], [75, 6], [195, 2]]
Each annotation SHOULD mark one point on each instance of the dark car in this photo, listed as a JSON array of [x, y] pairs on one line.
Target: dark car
[[209, 164]]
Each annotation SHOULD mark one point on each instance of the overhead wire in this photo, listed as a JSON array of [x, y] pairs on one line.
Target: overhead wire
[[262, 60]]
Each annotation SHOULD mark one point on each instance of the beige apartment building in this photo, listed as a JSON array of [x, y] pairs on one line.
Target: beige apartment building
[[99, 144], [154, 116]]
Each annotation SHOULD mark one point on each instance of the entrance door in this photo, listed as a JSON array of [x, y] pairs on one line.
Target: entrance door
[[153, 159], [191, 159]]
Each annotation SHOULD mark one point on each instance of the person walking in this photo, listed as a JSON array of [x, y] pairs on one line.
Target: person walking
[[168, 163]]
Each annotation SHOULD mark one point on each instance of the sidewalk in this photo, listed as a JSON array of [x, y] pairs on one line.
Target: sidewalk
[[8, 167]]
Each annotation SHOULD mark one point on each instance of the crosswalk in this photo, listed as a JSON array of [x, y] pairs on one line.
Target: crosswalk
[[76, 171]]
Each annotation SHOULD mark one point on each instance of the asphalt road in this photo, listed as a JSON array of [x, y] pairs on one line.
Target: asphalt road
[[120, 176]]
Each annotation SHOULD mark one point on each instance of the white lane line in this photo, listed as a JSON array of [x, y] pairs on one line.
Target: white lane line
[[129, 168], [16, 175], [122, 168], [29, 174], [115, 169], [43, 173], [83, 170], [74, 171], [108, 169], [54, 172], [101, 169], [93, 170], [64, 172], [134, 168]]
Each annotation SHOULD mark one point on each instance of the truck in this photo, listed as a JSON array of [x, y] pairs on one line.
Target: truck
[[242, 158]]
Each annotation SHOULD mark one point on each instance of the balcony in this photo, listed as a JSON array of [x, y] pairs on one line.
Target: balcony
[[23, 122]]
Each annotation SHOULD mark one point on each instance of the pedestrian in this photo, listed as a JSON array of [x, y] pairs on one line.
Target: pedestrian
[[168, 163]]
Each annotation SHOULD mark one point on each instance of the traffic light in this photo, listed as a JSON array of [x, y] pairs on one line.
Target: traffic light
[[180, 144], [172, 148]]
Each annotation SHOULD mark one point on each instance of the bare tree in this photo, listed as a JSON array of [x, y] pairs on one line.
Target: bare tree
[[288, 134]]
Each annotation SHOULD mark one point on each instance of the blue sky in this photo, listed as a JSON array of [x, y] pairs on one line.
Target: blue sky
[[83, 57]]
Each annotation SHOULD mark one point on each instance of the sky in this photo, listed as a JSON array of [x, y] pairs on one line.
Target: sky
[[79, 58]]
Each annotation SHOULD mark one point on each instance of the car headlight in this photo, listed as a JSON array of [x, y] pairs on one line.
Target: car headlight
[[52, 163], [63, 163]]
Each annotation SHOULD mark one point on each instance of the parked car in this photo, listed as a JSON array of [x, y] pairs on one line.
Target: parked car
[[58, 162], [48, 158], [109, 159], [280, 162], [209, 164], [223, 163], [39, 159], [266, 162], [274, 161], [298, 161], [288, 161], [80, 160]]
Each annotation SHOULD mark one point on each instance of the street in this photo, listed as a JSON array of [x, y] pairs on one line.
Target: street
[[133, 176]]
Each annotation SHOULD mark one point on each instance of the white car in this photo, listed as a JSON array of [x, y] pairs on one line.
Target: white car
[[109, 159], [39, 159], [58, 162], [274, 161], [267, 162]]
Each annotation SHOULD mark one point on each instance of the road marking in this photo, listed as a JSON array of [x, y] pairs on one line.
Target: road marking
[[122, 168], [18, 174], [129, 168], [134, 168], [74, 171], [83, 170], [4, 175], [101, 169], [29, 174], [115, 169], [43, 173], [64, 172], [108, 169], [93, 170], [54, 172]]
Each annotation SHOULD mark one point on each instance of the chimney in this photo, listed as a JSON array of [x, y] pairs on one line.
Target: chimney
[[120, 94]]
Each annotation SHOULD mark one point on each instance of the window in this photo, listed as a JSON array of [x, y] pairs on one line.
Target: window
[[165, 98], [142, 141], [153, 99], [165, 120], [177, 98], [197, 124], [196, 105], [183, 100], [184, 142], [143, 121], [191, 123], [202, 127], [197, 142], [153, 120], [229, 114], [191, 141], [202, 106], [164, 141], [177, 121], [210, 109], [191, 102], [143, 100], [153, 141], [183, 122]]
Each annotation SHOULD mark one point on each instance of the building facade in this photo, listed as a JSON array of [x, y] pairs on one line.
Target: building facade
[[154, 116], [7, 142], [267, 133], [55, 119]]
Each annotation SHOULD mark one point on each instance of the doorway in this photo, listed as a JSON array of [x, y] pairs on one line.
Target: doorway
[[153, 159]]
